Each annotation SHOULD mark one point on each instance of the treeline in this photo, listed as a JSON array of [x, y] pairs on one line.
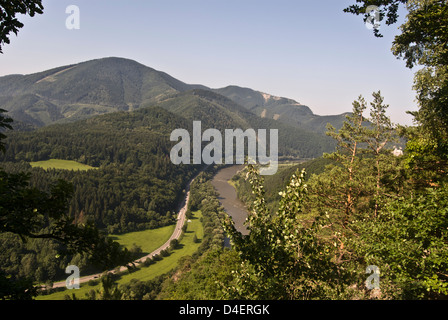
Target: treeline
[[365, 210], [295, 141], [118, 198], [135, 186], [274, 184], [203, 197], [218, 112], [41, 261], [139, 138]]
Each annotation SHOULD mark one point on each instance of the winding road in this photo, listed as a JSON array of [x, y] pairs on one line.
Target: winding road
[[181, 217]]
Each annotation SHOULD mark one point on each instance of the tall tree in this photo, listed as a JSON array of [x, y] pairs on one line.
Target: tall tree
[[32, 213], [422, 44], [352, 186], [349, 140], [377, 135]]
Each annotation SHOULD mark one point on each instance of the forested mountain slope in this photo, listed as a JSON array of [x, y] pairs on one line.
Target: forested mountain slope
[[79, 91], [136, 185]]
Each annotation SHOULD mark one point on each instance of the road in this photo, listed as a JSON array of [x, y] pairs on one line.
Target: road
[[181, 217]]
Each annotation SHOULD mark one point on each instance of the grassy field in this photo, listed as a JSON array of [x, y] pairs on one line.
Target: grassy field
[[61, 164], [148, 240], [187, 247]]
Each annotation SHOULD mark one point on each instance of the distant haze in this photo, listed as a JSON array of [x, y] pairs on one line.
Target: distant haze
[[308, 51]]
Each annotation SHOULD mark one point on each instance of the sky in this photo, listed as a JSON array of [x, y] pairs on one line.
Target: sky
[[309, 51]]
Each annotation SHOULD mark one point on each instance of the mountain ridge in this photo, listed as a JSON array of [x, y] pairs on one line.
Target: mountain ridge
[[78, 91]]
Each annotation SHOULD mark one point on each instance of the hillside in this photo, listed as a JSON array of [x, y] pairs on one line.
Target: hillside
[[284, 110], [135, 186], [79, 91], [217, 111]]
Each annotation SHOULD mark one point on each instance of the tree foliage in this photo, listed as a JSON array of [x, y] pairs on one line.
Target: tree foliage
[[135, 186], [387, 9], [362, 210], [422, 44], [5, 123], [408, 241], [31, 213], [8, 20]]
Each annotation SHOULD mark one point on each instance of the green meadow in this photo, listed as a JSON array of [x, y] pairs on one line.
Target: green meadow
[[148, 240], [61, 164]]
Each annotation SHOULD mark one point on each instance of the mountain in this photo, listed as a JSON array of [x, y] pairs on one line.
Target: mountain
[[80, 91], [219, 112], [100, 86], [280, 109]]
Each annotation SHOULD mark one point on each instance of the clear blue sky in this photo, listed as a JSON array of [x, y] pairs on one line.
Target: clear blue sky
[[309, 51]]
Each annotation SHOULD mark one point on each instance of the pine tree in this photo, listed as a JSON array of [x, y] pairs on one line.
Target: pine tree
[[377, 135], [349, 141]]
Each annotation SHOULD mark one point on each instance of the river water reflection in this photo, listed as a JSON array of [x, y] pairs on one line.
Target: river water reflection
[[228, 197]]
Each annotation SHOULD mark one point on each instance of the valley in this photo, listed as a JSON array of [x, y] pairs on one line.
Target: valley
[[104, 126], [228, 198], [88, 179], [152, 243]]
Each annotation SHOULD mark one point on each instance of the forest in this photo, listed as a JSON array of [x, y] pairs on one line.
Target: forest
[[362, 222], [361, 209], [203, 198], [135, 187]]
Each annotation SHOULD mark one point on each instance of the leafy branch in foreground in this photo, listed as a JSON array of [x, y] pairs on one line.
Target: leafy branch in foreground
[[284, 256], [422, 44], [387, 9], [8, 21]]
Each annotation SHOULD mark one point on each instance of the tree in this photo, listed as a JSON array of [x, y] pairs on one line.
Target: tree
[[377, 136], [422, 43], [31, 213], [174, 244], [352, 186], [108, 291], [349, 140], [8, 21], [5, 123], [408, 238], [387, 9], [285, 256], [408, 242]]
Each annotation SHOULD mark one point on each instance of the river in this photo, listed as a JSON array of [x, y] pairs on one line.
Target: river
[[228, 197]]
